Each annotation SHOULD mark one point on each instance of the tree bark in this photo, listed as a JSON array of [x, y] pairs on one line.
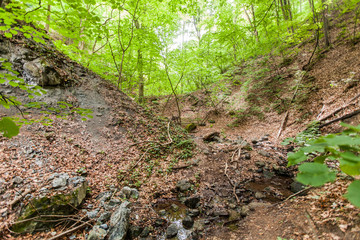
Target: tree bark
[[326, 24]]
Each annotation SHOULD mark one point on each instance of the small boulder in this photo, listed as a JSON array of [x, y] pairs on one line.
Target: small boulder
[[119, 222], [183, 185], [97, 233], [172, 231], [187, 222], [212, 137], [297, 186], [190, 127], [264, 153], [192, 202]]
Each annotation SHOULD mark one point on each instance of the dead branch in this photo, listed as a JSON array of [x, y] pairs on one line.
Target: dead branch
[[339, 109], [22, 195], [227, 175], [70, 231], [349, 115]]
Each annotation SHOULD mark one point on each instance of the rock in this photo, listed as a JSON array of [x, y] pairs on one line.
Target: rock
[[245, 145], [160, 222], [234, 215], [114, 202], [60, 181], [254, 141], [264, 153], [212, 137], [135, 231], [190, 127], [174, 207], [194, 236], [192, 202], [104, 217], [199, 225], [162, 212], [183, 185], [119, 222], [193, 212], [92, 214], [244, 211], [247, 156], [146, 232], [259, 195], [260, 164], [104, 226], [57, 204], [255, 205], [297, 186], [268, 174], [221, 213], [172, 231], [188, 222], [17, 180], [97, 233], [128, 193]]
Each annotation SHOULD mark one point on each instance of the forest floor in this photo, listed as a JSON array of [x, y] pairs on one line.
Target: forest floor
[[239, 172]]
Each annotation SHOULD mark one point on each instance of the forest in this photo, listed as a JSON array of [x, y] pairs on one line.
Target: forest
[[176, 119]]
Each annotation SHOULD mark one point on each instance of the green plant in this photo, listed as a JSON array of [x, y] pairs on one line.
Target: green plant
[[311, 132], [343, 147]]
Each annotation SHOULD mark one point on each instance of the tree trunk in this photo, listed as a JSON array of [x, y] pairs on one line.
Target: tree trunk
[[47, 26], [141, 77], [326, 24]]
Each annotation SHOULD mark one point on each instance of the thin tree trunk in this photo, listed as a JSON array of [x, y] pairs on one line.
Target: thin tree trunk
[[47, 26], [326, 24], [141, 77]]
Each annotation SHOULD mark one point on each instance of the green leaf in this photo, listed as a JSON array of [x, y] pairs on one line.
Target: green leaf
[[8, 127], [315, 174], [353, 193], [8, 35], [297, 157], [320, 159]]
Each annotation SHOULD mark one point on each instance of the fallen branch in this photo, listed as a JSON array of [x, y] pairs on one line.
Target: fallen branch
[[349, 115], [339, 109], [22, 195], [226, 174], [70, 231]]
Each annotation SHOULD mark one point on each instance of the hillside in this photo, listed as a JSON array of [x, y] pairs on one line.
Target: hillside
[[91, 162]]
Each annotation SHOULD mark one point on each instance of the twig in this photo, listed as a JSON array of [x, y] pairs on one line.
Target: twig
[[297, 193], [132, 167], [69, 231], [312, 221], [168, 131]]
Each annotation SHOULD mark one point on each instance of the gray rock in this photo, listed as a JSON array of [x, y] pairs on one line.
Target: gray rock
[[128, 193], [60, 180], [97, 233], [104, 226], [193, 212], [17, 180], [264, 153], [259, 195], [297, 186], [183, 185], [221, 213], [244, 211], [187, 222], [92, 214], [104, 217], [145, 232], [174, 207], [114, 202], [119, 222], [199, 225], [260, 164], [255, 205], [135, 231], [57, 204], [162, 212], [172, 231], [192, 202], [160, 222]]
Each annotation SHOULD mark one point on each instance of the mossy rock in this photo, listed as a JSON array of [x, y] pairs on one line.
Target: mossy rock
[[40, 208], [190, 127]]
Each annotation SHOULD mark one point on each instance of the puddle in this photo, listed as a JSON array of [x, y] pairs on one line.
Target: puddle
[[173, 216], [274, 189]]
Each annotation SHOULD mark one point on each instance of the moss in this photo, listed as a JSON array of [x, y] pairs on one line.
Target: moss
[[190, 127]]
